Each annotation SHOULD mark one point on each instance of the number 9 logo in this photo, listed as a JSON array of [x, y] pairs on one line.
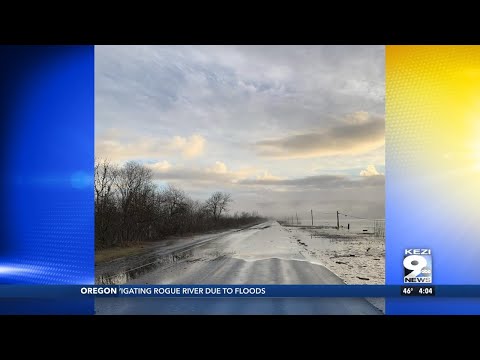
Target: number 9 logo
[[420, 263]]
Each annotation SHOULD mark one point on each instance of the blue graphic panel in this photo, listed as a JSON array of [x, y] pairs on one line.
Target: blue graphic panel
[[47, 206], [414, 220]]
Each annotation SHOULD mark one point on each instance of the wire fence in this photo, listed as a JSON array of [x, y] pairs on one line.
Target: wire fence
[[379, 228], [337, 220]]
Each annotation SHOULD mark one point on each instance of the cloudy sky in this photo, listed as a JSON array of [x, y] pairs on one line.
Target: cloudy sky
[[282, 128]]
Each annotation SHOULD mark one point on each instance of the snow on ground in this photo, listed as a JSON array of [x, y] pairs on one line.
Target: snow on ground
[[357, 258]]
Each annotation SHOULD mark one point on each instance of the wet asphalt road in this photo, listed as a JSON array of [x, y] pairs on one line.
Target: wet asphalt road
[[263, 254]]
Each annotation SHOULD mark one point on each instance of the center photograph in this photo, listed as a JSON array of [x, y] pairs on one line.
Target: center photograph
[[239, 164]]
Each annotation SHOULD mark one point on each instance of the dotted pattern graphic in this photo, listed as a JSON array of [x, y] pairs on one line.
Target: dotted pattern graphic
[[58, 247], [426, 90], [67, 226]]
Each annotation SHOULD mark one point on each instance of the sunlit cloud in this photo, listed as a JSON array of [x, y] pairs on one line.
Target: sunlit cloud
[[148, 147], [160, 166], [190, 147], [370, 171], [266, 175], [219, 168]]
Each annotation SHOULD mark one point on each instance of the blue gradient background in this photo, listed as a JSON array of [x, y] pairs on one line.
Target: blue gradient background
[[417, 219], [47, 211]]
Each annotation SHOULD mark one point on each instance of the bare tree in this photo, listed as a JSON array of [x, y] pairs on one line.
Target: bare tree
[[104, 178], [130, 208], [105, 174], [218, 204], [176, 207], [174, 199], [132, 180]]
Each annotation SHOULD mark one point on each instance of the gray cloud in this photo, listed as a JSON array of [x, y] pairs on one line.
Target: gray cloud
[[369, 202], [361, 196], [209, 175], [193, 175], [266, 204], [341, 139], [176, 88], [213, 117], [321, 182]]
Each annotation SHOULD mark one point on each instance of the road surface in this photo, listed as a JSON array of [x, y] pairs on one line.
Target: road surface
[[262, 254]]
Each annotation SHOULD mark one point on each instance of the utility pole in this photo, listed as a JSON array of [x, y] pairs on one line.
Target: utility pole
[[311, 213], [296, 214], [338, 222]]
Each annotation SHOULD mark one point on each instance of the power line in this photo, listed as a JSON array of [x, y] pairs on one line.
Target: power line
[[356, 217], [334, 213]]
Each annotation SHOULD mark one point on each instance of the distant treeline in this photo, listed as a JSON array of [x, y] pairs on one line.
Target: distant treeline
[[130, 208]]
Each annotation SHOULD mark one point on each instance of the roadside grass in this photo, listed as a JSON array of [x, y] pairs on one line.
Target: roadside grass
[[105, 255]]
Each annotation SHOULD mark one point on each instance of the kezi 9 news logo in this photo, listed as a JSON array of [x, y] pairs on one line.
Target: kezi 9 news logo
[[417, 266]]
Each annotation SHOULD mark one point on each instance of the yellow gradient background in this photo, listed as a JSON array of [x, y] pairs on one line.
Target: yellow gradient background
[[433, 112]]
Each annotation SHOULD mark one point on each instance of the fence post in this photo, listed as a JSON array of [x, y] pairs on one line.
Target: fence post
[[311, 213], [338, 222]]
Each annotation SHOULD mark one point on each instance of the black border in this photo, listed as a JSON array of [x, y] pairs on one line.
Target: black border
[[234, 320], [221, 24], [302, 334]]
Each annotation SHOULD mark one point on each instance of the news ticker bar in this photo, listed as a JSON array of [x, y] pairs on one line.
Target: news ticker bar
[[267, 291]]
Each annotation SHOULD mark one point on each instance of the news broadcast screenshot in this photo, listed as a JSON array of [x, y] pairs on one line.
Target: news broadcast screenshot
[[240, 180]]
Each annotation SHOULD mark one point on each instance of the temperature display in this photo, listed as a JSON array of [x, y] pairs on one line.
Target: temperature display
[[418, 290]]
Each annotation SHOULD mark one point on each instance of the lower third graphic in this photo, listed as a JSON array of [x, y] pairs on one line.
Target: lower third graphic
[[417, 266]]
